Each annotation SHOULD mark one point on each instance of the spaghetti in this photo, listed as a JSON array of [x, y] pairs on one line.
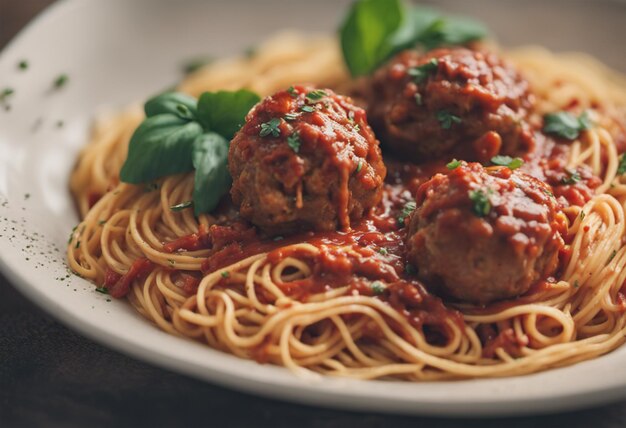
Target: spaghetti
[[268, 301]]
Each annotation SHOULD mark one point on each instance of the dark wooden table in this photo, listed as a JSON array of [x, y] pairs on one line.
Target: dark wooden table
[[50, 376]]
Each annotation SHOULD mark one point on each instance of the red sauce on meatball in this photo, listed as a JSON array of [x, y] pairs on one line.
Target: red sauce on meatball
[[483, 234], [450, 102], [305, 159]]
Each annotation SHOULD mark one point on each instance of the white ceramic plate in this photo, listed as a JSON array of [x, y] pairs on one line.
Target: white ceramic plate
[[120, 51]]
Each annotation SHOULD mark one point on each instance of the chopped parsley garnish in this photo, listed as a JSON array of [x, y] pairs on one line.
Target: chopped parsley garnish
[[565, 124], [270, 128], [621, 168], [453, 164], [6, 93], [22, 65], [582, 215], [72, 234], [356, 127], [293, 141], [612, 256], [77, 246], [102, 290], [573, 177], [101, 222], [408, 208], [418, 98], [181, 206], [316, 95], [576, 284], [508, 161], [446, 119], [383, 251], [307, 109], [291, 116], [292, 91], [515, 163], [171, 262], [480, 202], [359, 166], [60, 81], [225, 274], [547, 192], [378, 287], [421, 72]]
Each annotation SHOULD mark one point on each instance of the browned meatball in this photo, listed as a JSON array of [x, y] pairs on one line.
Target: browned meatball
[[450, 102], [305, 158], [482, 234]]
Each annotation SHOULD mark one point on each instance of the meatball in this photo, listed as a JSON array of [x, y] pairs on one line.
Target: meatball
[[450, 102], [482, 234], [305, 158]]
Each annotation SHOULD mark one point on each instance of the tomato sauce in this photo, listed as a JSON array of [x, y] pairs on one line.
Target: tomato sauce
[[119, 285], [369, 257]]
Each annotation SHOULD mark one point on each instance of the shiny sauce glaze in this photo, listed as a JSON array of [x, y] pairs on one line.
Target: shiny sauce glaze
[[305, 159]]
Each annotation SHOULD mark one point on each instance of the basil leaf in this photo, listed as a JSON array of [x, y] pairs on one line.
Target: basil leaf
[[585, 121], [374, 30], [181, 105], [451, 30], [565, 124], [417, 20], [225, 111], [160, 146], [481, 206], [367, 31], [212, 179], [459, 30]]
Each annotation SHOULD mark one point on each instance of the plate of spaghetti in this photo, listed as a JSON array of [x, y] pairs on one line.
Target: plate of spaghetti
[[370, 204]]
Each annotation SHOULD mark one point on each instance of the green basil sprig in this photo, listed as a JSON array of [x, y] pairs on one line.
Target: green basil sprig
[[180, 134], [374, 30], [209, 157], [224, 111]]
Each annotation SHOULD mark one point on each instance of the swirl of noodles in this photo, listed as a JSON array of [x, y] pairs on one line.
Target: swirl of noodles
[[249, 309]]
